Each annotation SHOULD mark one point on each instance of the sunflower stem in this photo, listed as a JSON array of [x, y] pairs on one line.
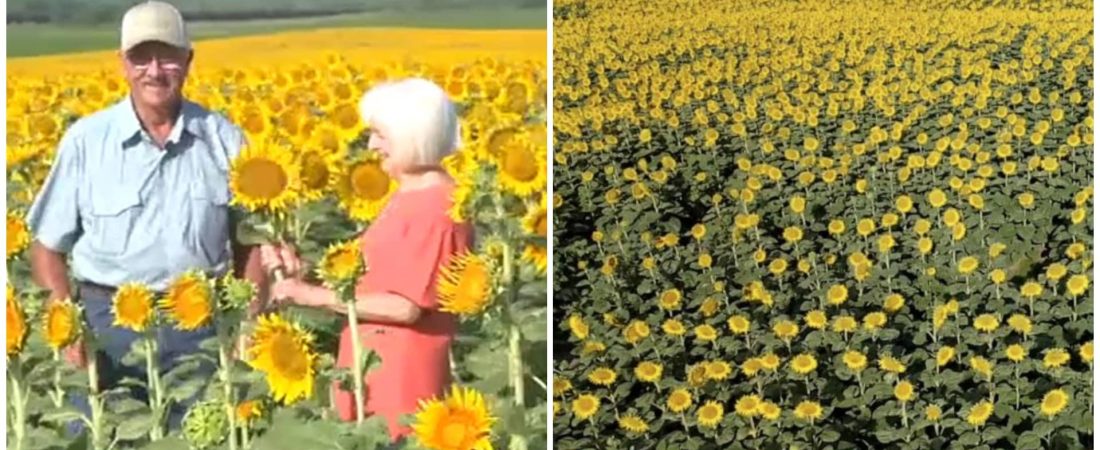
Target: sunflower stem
[[152, 373], [515, 355], [227, 386], [96, 402], [58, 394], [18, 405], [357, 368]]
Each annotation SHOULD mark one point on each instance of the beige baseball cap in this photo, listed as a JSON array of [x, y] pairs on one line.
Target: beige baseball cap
[[154, 21]]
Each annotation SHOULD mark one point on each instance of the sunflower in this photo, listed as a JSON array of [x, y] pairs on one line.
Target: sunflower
[[249, 410], [1055, 358], [364, 188], [944, 355], [979, 413], [706, 333], [891, 364], [808, 410], [465, 186], [670, 299], [585, 406], [62, 321], [318, 172], [747, 405], [649, 372], [602, 376], [933, 413], [461, 421], [1016, 352], [904, 391], [133, 307], [283, 351], [536, 255], [17, 324], [679, 400], [1054, 402], [521, 168], [632, 423], [710, 414], [343, 263], [968, 264], [535, 222], [738, 324], [1076, 285], [987, 323], [854, 360], [465, 287], [768, 410], [837, 294], [189, 301], [803, 364], [718, 370], [18, 234], [264, 178]]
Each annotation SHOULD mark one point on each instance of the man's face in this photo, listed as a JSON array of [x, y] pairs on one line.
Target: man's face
[[156, 72]]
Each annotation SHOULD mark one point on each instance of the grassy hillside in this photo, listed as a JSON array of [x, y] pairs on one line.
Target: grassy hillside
[[45, 39]]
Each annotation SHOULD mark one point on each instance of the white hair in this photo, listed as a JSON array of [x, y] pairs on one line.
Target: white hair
[[420, 120]]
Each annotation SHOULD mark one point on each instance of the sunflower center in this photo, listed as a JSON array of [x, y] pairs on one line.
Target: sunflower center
[[456, 433], [314, 171], [473, 283], [287, 357], [347, 117], [519, 163], [369, 182], [540, 226], [132, 309], [262, 179]]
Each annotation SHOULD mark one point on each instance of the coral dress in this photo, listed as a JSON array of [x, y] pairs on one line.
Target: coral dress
[[405, 249]]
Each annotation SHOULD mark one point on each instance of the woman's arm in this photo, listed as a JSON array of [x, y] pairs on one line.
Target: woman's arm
[[377, 307]]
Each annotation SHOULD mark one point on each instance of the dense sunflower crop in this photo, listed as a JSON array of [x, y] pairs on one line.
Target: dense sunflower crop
[[295, 96], [823, 224]]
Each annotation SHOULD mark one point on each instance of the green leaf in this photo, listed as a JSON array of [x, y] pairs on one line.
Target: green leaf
[[969, 438], [169, 443], [533, 325], [1028, 440], [134, 426], [64, 415]]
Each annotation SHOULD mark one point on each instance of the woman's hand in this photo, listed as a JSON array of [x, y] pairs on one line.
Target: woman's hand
[[286, 290], [276, 257]]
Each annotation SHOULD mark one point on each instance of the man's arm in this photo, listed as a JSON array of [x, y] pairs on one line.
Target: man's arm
[[54, 220], [50, 272]]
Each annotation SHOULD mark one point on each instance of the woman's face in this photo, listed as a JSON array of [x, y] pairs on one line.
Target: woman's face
[[379, 141]]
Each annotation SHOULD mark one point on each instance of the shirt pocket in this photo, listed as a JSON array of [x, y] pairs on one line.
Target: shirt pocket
[[114, 215], [209, 227]]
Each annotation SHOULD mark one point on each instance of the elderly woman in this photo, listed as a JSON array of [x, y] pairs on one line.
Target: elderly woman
[[413, 126]]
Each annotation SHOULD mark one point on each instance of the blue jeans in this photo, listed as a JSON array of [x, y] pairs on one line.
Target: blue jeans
[[113, 343]]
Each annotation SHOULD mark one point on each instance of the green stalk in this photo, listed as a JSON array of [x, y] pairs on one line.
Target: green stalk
[[58, 394], [18, 405], [357, 355], [227, 386], [156, 399], [96, 402], [515, 356]]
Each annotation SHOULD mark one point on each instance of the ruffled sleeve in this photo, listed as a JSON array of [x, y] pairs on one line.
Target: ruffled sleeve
[[406, 257]]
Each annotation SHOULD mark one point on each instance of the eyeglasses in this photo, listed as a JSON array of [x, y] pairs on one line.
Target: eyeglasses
[[142, 63]]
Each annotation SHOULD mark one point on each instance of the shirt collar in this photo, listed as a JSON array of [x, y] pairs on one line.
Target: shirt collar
[[132, 130]]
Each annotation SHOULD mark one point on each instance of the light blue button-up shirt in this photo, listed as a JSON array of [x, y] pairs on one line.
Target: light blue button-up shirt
[[129, 211]]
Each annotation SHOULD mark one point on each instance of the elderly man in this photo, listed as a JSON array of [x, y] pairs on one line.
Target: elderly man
[[139, 192]]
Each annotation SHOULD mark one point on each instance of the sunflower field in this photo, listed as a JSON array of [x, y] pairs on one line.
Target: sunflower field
[[834, 224], [307, 178]]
